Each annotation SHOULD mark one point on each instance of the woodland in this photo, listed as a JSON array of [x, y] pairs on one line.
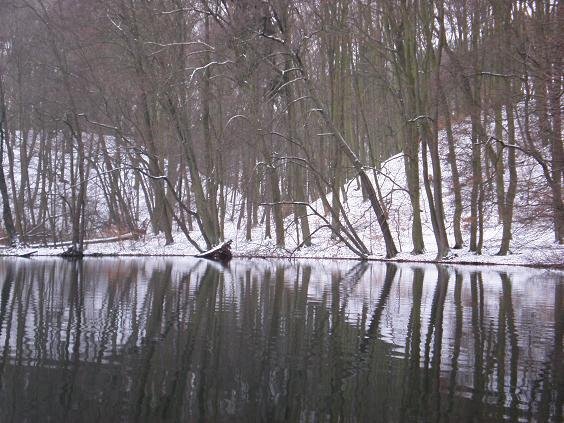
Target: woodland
[[181, 115]]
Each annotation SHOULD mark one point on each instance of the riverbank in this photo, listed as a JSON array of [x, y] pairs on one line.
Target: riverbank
[[532, 242], [533, 254]]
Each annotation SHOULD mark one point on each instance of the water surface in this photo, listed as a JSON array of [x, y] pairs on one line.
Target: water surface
[[104, 340]]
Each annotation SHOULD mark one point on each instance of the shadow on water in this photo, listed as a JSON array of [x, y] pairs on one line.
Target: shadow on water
[[187, 340]]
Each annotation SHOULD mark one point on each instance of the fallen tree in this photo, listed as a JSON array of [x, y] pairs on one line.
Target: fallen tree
[[121, 237], [221, 252]]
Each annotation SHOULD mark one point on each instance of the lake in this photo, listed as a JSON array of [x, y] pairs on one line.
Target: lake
[[187, 340]]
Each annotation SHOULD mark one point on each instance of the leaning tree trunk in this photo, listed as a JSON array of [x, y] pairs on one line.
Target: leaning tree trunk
[[430, 138], [391, 250], [434, 196]]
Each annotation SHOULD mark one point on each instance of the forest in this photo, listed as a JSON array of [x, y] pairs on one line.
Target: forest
[[174, 117]]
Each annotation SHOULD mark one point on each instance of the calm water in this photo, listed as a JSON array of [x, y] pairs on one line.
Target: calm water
[[180, 340]]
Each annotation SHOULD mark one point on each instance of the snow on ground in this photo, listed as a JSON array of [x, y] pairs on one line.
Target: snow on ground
[[532, 244]]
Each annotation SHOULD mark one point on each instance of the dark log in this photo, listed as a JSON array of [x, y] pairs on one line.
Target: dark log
[[72, 252], [221, 252]]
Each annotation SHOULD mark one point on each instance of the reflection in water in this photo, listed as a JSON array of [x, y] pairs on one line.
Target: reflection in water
[[186, 340]]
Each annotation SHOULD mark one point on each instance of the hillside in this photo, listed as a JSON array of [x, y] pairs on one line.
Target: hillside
[[532, 242]]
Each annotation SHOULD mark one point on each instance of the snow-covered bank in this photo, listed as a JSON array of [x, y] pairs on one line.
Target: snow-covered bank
[[532, 241], [536, 254]]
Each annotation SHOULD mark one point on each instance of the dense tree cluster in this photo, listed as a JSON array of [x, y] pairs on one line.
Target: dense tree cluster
[[187, 107]]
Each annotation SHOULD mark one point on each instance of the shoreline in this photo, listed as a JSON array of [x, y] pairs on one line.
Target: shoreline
[[481, 260]]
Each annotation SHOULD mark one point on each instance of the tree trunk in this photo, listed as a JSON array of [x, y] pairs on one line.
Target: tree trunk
[[211, 167], [181, 120], [497, 157], [300, 210], [458, 241], [411, 165], [512, 187], [161, 212], [273, 179], [476, 184], [6, 209], [557, 149], [434, 195]]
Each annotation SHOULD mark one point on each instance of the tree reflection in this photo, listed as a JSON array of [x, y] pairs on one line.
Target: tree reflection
[[133, 341], [412, 383], [457, 339]]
